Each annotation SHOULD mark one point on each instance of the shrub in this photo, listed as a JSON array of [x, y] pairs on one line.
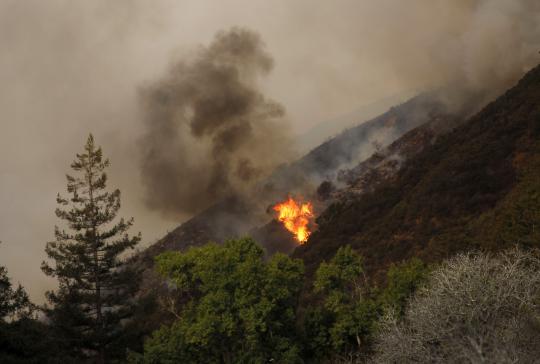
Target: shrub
[[475, 308]]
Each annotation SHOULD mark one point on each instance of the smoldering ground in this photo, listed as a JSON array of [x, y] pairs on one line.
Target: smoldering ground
[[209, 131]]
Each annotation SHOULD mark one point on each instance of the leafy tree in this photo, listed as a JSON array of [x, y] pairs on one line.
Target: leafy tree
[[345, 323], [96, 287], [233, 306], [402, 280]]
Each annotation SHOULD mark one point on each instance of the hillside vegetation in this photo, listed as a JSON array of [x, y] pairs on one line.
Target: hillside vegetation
[[477, 187]]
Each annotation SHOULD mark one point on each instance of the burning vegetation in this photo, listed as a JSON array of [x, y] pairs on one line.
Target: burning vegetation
[[296, 217]]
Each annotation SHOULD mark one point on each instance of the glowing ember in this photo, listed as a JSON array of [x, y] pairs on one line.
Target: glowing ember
[[295, 217]]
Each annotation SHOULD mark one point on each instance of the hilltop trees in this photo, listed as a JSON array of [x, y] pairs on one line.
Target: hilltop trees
[[96, 287]]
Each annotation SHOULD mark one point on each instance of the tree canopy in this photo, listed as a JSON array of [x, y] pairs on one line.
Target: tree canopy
[[233, 306]]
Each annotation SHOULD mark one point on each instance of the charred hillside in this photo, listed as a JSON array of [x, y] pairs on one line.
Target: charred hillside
[[470, 189]]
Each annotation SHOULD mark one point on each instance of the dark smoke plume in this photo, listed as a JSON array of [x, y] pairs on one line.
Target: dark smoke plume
[[210, 132]]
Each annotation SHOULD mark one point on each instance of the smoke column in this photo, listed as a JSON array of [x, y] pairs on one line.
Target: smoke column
[[209, 132]]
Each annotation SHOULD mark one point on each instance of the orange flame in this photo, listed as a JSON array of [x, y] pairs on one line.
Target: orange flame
[[295, 217]]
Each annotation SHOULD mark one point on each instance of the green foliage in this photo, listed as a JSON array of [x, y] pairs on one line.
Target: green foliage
[[345, 322], [343, 271], [233, 306], [96, 287], [401, 282], [316, 332]]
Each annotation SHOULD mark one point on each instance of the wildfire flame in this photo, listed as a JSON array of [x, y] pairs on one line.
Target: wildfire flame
[[295, 217]]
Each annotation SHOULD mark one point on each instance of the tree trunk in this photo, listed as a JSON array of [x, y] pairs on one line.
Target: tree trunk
[[99, 315]]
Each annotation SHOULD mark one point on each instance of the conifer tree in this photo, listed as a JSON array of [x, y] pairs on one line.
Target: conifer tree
[[96, 285]]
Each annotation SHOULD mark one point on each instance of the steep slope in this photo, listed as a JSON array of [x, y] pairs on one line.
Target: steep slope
[[355, 145], [240, 215], [231, 217], [384, 164], [321, 132], [477, 186]]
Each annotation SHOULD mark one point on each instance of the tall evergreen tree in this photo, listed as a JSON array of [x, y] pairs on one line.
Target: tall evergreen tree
[[96, 285]]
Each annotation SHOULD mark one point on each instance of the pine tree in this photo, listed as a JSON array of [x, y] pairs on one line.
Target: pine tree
[[96, 285]]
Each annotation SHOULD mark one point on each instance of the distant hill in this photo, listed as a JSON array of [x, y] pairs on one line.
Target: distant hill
[[476, 187]]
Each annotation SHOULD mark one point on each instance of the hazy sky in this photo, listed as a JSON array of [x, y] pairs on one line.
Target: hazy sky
[[68, 68]]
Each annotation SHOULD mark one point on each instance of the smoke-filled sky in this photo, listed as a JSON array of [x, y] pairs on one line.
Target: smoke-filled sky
[[208, 131], [68, 68]]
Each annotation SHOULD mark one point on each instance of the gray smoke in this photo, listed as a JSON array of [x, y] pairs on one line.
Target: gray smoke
[[210, 132], [474, 46]]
